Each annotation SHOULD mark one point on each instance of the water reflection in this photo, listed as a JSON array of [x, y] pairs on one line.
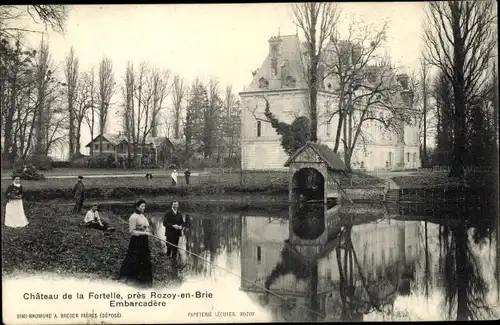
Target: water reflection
[[380, 266]]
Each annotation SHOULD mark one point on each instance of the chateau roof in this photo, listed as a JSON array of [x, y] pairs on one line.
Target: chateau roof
[[289, 55]]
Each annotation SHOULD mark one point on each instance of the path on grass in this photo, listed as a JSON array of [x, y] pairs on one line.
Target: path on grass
[[111, 175]]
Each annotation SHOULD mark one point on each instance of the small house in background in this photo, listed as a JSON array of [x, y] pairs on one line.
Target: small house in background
[[155, 150], [115, 145], [158, 150]]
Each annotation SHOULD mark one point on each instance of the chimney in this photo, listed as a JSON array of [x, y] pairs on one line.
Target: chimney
[[274, 45]]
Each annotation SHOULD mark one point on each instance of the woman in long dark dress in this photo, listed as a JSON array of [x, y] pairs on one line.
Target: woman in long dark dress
[[137, 267]]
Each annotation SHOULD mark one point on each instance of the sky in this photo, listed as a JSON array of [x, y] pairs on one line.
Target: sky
[[221, 41]]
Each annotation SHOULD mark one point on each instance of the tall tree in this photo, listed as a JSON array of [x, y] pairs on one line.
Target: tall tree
[[128, 114], [424, 77], [159, 87], [443, 97], [231, 122], [350, 62], [43, 77], [92, 113], [317, 20], [178, 94], [211, 114], [82, 105], [106, 88], [71, 75], [459, 38]]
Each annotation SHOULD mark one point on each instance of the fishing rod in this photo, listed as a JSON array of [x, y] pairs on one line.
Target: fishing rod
[[234, 273], [231, 272]]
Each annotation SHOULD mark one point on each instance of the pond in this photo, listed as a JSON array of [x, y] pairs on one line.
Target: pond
[[377, 268]]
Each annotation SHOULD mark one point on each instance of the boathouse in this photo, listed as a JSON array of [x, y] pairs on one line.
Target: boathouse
[[314, 171], [314, 194]]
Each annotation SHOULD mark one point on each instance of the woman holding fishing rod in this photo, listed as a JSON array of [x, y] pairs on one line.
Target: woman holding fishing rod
[[137, 268]]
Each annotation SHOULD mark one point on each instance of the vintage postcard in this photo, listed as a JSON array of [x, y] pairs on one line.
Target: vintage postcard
[[245, 163]]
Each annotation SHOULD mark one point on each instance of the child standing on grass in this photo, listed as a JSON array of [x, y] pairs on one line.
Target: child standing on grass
[[14, 210], [79, 195]]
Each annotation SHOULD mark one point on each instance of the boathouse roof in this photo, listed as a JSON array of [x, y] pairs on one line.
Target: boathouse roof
[[326, 154]]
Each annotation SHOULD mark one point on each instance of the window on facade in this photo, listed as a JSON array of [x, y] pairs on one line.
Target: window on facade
[[414, 157], [259, 128], [96, 146], [108, 146], [407, 157], [383, 258], [259, 253], [390, 159], [328, 124]]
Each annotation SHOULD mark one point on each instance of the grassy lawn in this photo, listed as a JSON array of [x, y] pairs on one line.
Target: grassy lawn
[[209, 180], [129, 188], [54, 242], [99, 171], [441, 179]]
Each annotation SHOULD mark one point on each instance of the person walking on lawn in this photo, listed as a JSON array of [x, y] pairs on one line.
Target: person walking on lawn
[[174, 177], [79, 195], [187, 173]]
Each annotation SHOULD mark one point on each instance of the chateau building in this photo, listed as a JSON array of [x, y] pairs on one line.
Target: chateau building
[[280, 80]]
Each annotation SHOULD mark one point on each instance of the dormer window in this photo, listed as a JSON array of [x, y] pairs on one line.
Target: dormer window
[[290, 81], [263, 83]]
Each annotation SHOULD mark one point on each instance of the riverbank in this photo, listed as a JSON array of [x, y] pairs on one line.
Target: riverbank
[[131, 188], [54, 242]]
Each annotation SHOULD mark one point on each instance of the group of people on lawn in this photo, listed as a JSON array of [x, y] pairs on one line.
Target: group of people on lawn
[[136, 268]]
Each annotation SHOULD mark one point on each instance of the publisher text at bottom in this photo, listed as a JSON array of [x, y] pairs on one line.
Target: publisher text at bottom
[[221, 314]]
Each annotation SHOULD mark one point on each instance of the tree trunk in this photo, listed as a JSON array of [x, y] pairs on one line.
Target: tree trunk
[[9, 121], [340, 109], [457, 165], [424, 157], [78, 137], [313, 98], [71, 127]]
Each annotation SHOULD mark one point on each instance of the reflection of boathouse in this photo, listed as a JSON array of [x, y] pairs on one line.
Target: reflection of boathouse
[[308, 274]]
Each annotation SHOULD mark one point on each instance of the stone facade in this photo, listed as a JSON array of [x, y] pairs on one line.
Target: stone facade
[[279, 81]]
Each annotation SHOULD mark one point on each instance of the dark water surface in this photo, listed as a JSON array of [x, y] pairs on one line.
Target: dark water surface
[[379, 267]]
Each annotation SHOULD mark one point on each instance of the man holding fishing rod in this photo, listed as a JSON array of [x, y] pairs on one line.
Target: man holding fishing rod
[[174, 224]]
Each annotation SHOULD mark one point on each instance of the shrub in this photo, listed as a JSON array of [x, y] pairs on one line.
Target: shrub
[[61, 164], [76, 155], [28, 173], [41, 162]]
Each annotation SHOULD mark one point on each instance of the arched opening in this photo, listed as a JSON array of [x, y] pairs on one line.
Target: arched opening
[[308, 184]]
